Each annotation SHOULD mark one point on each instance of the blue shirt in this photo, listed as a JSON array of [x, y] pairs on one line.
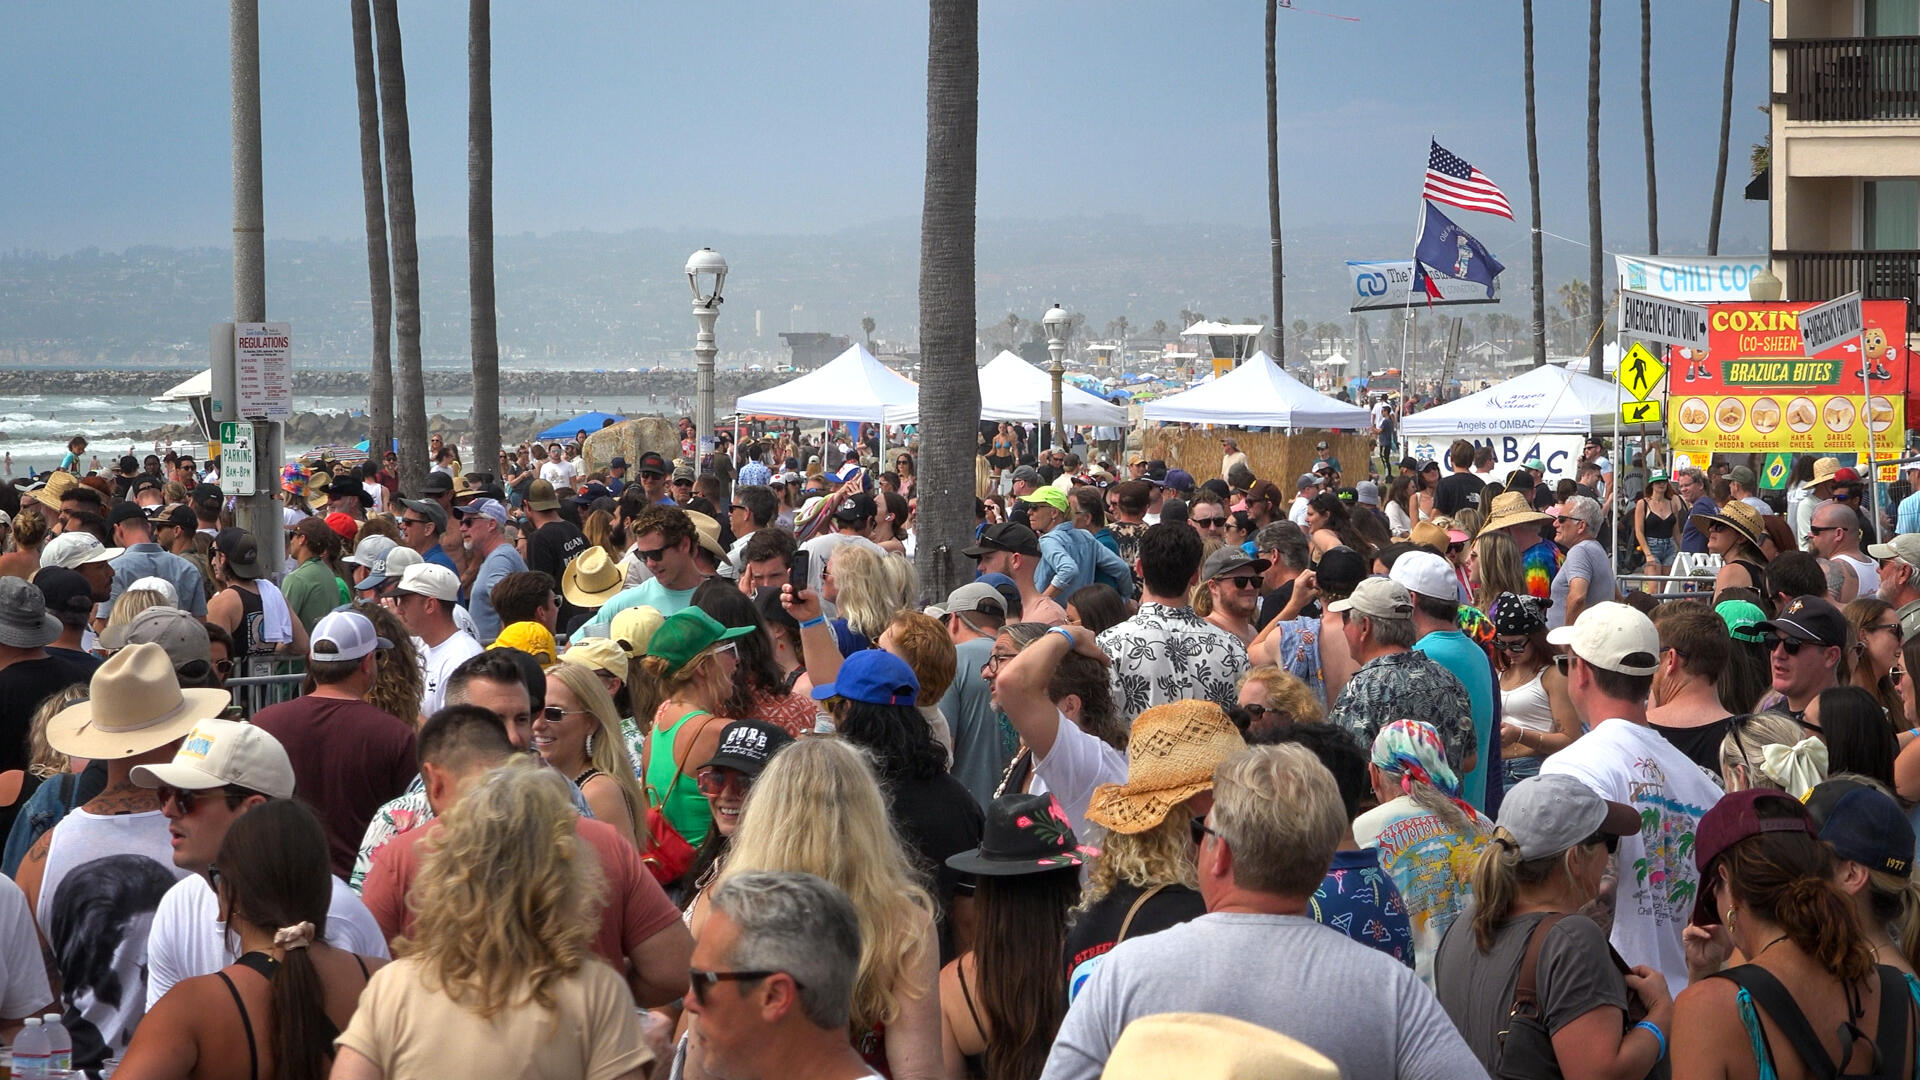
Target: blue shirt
[[1456, 652], [1360, 900], [651, 593], [753, 472], [1691, 538], [1069, 558], [1908, 520], [152, 560], [500, 562]]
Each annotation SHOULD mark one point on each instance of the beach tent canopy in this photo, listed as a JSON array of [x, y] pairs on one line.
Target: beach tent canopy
[[1258, 394], [588, 422], [200, 385], [851, 386], [1012, 389], [1547, 400]]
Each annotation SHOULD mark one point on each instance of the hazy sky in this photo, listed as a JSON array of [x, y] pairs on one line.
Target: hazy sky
[[780, 116]]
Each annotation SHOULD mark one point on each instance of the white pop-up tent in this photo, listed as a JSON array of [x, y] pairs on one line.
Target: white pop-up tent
[[1012, 389], [852, 387], [1258, 394], [1548, 400]]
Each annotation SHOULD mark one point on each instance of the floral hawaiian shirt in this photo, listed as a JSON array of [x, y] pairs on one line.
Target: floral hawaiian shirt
[[1407, 686], [1166, 654]]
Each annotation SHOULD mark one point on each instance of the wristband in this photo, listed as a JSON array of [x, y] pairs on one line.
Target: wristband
[[1658, 1037], [1914, 731], [1062, 631], [817, 620]]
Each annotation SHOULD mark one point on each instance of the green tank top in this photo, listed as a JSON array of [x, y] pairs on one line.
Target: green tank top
[[686, 809]]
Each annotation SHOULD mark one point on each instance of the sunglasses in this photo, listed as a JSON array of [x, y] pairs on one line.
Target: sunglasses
[[1891, 628], [704, 981], [416, 521], [553, 714], [189, 798], [1818, 529], [1198, 828], [1243, 582], [1208, 522], [1563, 663], [651, 554], [1791, 645], [712, 781], [1511, 646]]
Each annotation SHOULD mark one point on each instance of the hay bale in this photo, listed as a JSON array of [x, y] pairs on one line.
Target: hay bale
[[1273, 455]]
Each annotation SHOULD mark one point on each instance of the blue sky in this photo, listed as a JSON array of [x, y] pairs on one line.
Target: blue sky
[[786, 117]]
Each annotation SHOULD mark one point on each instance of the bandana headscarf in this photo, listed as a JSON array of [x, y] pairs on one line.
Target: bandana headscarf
[[1517, 616], [1412, 748]]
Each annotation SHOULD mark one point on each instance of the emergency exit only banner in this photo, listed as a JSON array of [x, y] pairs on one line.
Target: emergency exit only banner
[[1755, 389]]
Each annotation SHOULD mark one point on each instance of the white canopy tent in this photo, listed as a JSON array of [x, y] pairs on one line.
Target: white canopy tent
[[851, 387], [200, 385], [1258, 394], [1548, 400], [1012, 389]]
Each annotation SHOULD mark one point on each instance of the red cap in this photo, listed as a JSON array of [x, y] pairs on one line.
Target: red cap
[[1735, 818], [343, 524], [1845, 475]]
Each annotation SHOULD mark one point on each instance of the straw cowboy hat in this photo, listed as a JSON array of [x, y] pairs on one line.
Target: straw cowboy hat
[[706, 532], [135, 704], [1824, 469], [1742, 519], [1171, 755], [592, 578], [54, 491], [1510, 508], [1207, 1046]]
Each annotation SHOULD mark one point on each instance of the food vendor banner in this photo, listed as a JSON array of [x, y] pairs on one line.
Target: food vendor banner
[[1754, 389]]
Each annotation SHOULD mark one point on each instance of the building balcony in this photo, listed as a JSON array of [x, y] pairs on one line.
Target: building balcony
[[1877, 275], [1832, 80]]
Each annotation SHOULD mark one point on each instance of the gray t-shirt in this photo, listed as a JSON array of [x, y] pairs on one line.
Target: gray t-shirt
[[1575, 977], [1586, 560], [1369, 1013], [980, 754]]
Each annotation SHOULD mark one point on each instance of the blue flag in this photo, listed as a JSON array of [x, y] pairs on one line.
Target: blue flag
[[1445, 250]]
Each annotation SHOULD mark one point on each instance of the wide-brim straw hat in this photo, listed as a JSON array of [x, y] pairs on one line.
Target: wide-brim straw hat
[[135, 704], [706, 532], [1171, 754], [54, 491], [1824, 469], [592, 578], [1511, 508], [1742, 519], [1208, 1046]]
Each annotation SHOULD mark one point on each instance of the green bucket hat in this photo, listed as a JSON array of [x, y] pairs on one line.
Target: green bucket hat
[[686, 634], [1743, 619]]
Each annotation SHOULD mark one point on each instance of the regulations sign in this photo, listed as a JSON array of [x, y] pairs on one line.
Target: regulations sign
[[1640, 373], [1658, 319], [1831, 324], [237, 468], [263, 362]]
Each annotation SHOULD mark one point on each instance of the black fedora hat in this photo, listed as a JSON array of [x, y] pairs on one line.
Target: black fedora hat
[[1025, 834]]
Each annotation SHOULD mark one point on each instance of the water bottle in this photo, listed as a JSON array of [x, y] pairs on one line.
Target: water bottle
[[31, 1051], [59, 1044]]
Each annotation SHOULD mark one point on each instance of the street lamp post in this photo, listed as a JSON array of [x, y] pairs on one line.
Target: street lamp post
[[706, 275], [1057, 322]]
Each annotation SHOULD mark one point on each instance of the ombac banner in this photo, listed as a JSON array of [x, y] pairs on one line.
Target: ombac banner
[[1385, 285], [1559, 453], [1695, 279], [1754, 389]]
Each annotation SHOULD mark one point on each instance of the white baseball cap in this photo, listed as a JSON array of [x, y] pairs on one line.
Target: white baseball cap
[[431, 579], [76, 549], [1613, 636], [347, 635], [1426, 573], [221, 752]]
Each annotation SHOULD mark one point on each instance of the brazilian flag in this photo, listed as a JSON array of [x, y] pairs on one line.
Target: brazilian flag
[[1774, 476]]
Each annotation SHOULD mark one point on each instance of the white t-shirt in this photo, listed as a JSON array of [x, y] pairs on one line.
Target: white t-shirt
[[437, 662], [188, 939], [23, 974], [558, 473], [1657, 881], [1077, 763]]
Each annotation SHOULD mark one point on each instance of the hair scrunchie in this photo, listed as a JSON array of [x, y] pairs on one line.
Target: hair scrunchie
[[297, 936]]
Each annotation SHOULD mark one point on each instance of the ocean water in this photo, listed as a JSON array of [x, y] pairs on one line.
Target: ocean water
[[35, 428]]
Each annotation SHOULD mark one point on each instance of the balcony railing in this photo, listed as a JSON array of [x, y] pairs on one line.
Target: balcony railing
[[1878, 275], [1875, 78]]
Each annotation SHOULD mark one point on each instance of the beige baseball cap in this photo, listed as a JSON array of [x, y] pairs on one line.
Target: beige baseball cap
[[1613, 636], [217, 753], [1377, 598]]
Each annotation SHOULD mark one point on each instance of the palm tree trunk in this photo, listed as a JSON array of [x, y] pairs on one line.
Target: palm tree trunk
[[1726, 128], [373, 194], [1533, 188], [1646, 123], [411, 412], [1596, 258], [484, 328], [1273, 184], [949, 387]]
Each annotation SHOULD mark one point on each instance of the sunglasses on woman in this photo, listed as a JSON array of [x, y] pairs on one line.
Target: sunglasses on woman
[[713, 781]]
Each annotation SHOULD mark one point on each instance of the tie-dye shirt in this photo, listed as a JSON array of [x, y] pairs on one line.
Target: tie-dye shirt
[[1541, 562], [1360, 900]]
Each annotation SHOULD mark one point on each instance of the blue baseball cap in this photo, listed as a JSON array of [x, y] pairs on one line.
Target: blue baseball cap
[[489, 507], [874, 676], [1863, 824]]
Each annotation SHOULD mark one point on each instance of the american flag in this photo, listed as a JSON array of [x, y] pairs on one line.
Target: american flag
[[1456, 183]]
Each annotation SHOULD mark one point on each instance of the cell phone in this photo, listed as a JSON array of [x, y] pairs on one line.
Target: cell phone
[[802, 566]]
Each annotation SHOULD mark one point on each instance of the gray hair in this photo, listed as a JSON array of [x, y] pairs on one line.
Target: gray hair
[[1692, 474], [1397, 633], [1280, 810], [1286, 538], [801, 925], [1587, 510]]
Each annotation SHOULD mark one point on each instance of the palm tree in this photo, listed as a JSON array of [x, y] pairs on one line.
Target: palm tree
[[1596, 258], [1533, 186], [1726, 127], [373, 195], [1646, 123], [482, 317], [949, 388], [1273, 183], [411, 412], [866, 328]]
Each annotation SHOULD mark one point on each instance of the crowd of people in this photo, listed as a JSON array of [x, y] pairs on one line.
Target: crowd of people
[[559, 771]]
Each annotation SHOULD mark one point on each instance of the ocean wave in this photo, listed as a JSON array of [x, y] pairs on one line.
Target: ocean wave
[[88, 405]]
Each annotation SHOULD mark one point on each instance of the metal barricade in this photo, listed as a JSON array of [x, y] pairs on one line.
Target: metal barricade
[[1671, 586], [262, 681]]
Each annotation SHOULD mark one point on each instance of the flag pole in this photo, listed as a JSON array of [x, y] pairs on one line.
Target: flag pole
[[1406, 313]]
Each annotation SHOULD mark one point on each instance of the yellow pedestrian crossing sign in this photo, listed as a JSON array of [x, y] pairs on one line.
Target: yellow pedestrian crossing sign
[[1640, 372], [1642, 412]]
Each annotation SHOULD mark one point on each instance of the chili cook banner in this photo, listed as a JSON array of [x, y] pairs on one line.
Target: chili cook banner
[[1755, 390]]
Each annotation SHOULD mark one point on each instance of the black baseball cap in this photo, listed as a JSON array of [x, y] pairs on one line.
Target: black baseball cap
[[1340, 570], [1006, 536], [747, 745], [125, 511], [243, 554], [856, 507], [69, 595], [436, 483], [651, 462], [147, 481], [1809, 618], [179, 515]]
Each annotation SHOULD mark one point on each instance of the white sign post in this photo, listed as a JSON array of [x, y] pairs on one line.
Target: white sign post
[[1833, 323], [237, 467], [1662, 321], [263, 357]]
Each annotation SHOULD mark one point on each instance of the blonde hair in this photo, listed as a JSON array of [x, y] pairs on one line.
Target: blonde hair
[[608, 753], [131, 603], [1501, 569], [1497, 877], [1286, 693], [869, 590], [399, 685], [1282, 813], [507, 900], [43, 760], [1162, 855], [1746, 741], [818, 809]]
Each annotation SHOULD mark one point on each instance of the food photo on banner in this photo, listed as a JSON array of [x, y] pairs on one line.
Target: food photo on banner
[[1755, 390]]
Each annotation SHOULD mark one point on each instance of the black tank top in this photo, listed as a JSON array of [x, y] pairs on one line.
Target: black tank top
[[247, 635], [1658, 527]]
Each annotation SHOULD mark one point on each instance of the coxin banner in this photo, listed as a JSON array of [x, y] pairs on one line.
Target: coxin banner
[[1754, 389]]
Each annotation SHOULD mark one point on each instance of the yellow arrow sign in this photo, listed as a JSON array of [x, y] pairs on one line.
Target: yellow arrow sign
[[1642, 412], [1640, 372]]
